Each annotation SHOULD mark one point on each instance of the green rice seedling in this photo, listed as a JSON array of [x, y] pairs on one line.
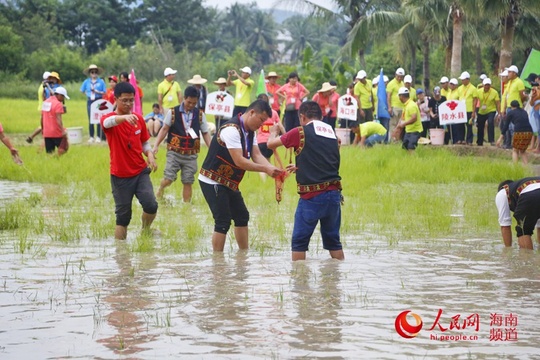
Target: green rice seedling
[[23, 244], [144, 242]]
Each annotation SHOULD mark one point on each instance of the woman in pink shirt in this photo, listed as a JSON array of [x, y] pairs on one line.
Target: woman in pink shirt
[[292, 93], [271, 88], [327, 99]]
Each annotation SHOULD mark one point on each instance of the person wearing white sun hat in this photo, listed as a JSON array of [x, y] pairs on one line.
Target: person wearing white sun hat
[[395, 106], [53, 129], [488, 103], [410, 120], [363, 93], [244, 85], [468, 93], [169, 91], [445, 86], [407, 81]]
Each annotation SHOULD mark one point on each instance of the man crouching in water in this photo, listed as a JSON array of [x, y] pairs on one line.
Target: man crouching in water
[[318, 182]]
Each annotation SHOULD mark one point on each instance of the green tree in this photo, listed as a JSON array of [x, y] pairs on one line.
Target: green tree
[[114, 59], [12, 50], [262, 39]]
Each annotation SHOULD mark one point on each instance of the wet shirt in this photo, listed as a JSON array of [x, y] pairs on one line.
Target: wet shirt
[[125, 144], [49, 109]]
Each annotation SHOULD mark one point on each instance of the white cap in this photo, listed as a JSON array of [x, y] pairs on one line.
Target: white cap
[[375, 80], [62, 91], [453, 81], [403, 90], [385, 78], [46, 75], [464, 75], [361, 74], [407, 79], [483, 76], [169, 71], [246, 70], [504, 73], [486, 81], [444, 79], [513, 68], [400, 71]]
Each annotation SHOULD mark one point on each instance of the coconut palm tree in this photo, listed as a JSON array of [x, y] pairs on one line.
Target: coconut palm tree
[[262, 38], [509, 13]]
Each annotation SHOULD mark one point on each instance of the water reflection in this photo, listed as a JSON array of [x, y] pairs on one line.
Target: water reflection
[[128, 300], [317, 302]]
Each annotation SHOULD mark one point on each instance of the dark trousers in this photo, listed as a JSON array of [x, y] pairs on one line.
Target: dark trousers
[[469, 126], [482, 119], [291, 119]]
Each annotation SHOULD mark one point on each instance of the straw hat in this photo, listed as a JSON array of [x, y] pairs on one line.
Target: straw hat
[[272, 74], [326, 87], [93, 67], [423, 141], [54, 74], [221, 80], [197, 80]]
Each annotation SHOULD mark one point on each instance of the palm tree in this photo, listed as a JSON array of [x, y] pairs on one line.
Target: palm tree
[[303, 33], [509, 13], [356, 13], [262, 37]]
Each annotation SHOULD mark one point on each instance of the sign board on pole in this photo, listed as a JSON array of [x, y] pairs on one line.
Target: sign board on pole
[[347, 107], [219, 103], [98, 109], [452, 112]]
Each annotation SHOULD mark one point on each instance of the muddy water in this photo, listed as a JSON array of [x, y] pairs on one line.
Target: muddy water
[[99, 299]]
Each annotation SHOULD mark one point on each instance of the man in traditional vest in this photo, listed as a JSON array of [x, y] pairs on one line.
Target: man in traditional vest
[[522, 197], [228, 158], [182, 126], [318, 181]]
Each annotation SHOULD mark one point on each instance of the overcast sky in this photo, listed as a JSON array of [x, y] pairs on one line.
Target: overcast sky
[[263, 4]]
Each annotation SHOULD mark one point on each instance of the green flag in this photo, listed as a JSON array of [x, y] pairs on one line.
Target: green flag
[[532, 65], [261, 85]]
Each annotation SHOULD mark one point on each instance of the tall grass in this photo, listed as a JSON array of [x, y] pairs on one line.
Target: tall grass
[[389, 194]]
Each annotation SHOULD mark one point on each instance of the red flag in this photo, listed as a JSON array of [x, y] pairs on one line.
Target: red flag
[[137, 107]]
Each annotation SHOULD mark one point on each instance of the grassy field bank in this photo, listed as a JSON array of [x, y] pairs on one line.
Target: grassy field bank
[[432, 194]]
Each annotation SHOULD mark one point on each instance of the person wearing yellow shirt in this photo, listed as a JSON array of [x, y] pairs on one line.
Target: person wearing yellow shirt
[[363, 94], [407, 81], [369, 134], [410, 120], [468, 93], [455, 129], [514, 90], [445, 87], [395, 107], [489, 102], [169, 91], [243, 84]]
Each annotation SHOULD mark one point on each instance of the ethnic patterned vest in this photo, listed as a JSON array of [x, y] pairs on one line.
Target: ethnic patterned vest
[[219, 165], [514, 189], [178, 138], [317, 159]]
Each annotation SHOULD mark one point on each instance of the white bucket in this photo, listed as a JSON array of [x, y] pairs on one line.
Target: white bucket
[[343, 135], [75, 135], [436, 136]]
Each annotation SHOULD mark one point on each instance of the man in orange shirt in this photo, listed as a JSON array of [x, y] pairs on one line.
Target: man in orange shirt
[[53, 129]]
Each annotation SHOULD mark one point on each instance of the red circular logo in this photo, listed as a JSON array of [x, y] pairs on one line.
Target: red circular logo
[[406, 330]]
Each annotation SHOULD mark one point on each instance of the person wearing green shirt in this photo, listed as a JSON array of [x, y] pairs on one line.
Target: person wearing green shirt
[[468, 93], [410, 120], [488, 103], [169, 91], [514, 90], [369, 134], [363, 93], [455, 129], [407, 81], [243, 84], [444, 84], [395, 106]]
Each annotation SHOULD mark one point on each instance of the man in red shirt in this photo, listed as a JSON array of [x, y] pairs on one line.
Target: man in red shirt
[[53, 129], [127, 138]]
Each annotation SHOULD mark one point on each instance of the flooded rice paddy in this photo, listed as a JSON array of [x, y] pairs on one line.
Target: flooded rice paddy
[[98, 299]]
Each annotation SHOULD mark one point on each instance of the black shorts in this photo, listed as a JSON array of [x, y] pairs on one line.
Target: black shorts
[[124, 189], [265, 151], [527, 212], [52, 143], [226, 205]]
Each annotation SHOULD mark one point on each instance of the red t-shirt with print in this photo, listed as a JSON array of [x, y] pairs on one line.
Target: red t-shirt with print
[[125, 146]]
